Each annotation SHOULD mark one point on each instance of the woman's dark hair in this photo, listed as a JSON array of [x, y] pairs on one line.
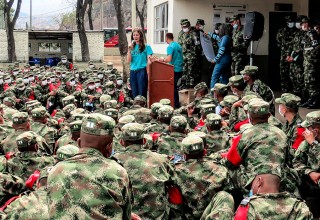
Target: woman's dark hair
[[225, 29], [142, 44]]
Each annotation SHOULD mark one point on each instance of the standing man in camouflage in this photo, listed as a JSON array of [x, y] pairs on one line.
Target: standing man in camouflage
[[188, 41], [239, 46], [311, 61], [73, 182], [285, 42]]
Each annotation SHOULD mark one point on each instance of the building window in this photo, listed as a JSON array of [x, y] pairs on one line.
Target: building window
[[161, 23]]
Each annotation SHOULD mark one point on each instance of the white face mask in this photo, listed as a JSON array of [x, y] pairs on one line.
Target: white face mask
[[31, 79], [1, 73], [98, 84], [72, 83], [63, 75], [119, 82], [26, 81], [21, 88], [298, 26], [185, 30], [1, 81], [44, 82], [76, 75], [216, 31], [8, 81], [92, 87], [15, 73], [91, 66], [100, 76], [63, 61], [52, 79], [290, 24]]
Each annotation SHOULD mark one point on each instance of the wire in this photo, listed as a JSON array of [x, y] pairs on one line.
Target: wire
[[71, 6]]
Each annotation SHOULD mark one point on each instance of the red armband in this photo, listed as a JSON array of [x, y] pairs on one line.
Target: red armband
[[175, 196], [299, 138], [32, 179], [233, 155], [239, 124]]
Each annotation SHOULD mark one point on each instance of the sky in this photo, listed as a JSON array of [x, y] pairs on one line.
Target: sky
[[46, 7]]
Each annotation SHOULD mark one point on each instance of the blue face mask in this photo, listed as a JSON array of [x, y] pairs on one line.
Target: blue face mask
[[250, 193], [235, 26]]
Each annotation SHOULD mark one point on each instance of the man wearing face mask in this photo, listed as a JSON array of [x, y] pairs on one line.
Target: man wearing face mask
[[188, 43], [65, 63], [289, 109], [89, 96], [239, 46], [311, 48], [285, 43], [307, 160], [265, 199], [42, 92], [20, 92], [180, 35], [296, 62]]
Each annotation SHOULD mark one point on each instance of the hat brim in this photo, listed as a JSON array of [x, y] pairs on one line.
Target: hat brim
[[305, 124], [279, 101]]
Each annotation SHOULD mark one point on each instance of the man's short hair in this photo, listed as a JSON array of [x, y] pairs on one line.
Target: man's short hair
[[169, 36]]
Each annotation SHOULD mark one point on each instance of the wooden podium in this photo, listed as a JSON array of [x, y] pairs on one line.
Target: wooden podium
[[161, 82]]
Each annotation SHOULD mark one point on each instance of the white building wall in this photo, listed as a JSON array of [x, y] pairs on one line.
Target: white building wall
[[96, 46], [22, 46], [192, 10]]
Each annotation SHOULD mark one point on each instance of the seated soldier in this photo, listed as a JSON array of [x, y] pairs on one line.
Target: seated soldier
[[70, 138], [219, 91]]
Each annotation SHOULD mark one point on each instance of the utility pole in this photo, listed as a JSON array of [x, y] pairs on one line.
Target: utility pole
[[133, 14], [101, 15], [30, 15]]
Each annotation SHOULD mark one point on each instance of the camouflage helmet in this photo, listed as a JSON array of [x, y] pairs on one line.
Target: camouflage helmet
[[192, 144]]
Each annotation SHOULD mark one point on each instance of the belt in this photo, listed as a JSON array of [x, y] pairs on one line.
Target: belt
[[134, 71], [308, 48]]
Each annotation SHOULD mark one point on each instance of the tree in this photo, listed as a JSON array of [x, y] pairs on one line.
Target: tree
[[80, 12], [66, 21], [10, 22], [141, 13], [90, 15], [123, 43]]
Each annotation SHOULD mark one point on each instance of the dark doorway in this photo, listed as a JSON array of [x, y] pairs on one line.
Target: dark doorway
[[276, 21], [314, 8]]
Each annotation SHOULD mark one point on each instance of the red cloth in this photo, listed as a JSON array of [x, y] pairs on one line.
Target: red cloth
[[239, 124], [79, 87], [155, 136], [8, 203], [52, 87], [242, 213], [6, 87], [31, 96], [121, 97], [32, 179], [54, 113], [200, 125], [175, 196], [99, 90], [299, 138], [9, 155], [233, 155], [71, 66]]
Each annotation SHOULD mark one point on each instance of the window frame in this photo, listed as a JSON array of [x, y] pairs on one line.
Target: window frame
[[161, 17]]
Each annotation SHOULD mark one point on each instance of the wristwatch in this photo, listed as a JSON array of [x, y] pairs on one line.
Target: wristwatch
[[314, 143]]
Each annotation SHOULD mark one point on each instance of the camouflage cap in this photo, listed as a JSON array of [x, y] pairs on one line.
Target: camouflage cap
[[301, 18], [236, 80], [70, 99], [182, 21], [132, 132], [200, 21], [75, 126], [109, 64], [98, 124], [104, 98], [200, 86], [32, 106], [192, 144], [258, 107], [10, 100], [110, 104], [207, 108], [20, 118], [250, 70], [178, 122], [63, 57], [312, 118], [110, 85], [140, 98], [69, 108], [76, 117], [229, 100], [197, 133], [289, 100], [206, 101], [245, 99], [234, 17], [289, 18], [165, 101], [220, 88], [155, 107], [165, 111], [26, 139], [66, 152], [213, 118], [127, 119], [40, 112], [111, 112], [78, 111], [185, 23], [19, 82]]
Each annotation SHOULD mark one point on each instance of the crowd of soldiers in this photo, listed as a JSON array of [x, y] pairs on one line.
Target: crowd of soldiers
[[299, 62], [76, 145]]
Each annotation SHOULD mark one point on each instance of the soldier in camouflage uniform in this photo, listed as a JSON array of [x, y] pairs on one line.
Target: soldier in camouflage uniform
[[108, 181], [181, 33], [27, 160], [257, 86], [150, 200], [267, 202], [198, 178], [170, 144], [219, 91], [64, 63], [307, 162], [89, 96], [285, 42], [296, 61], [20, 92], [165, 114], [311, 48], [239, 46], [69, 138], [188, 43]]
